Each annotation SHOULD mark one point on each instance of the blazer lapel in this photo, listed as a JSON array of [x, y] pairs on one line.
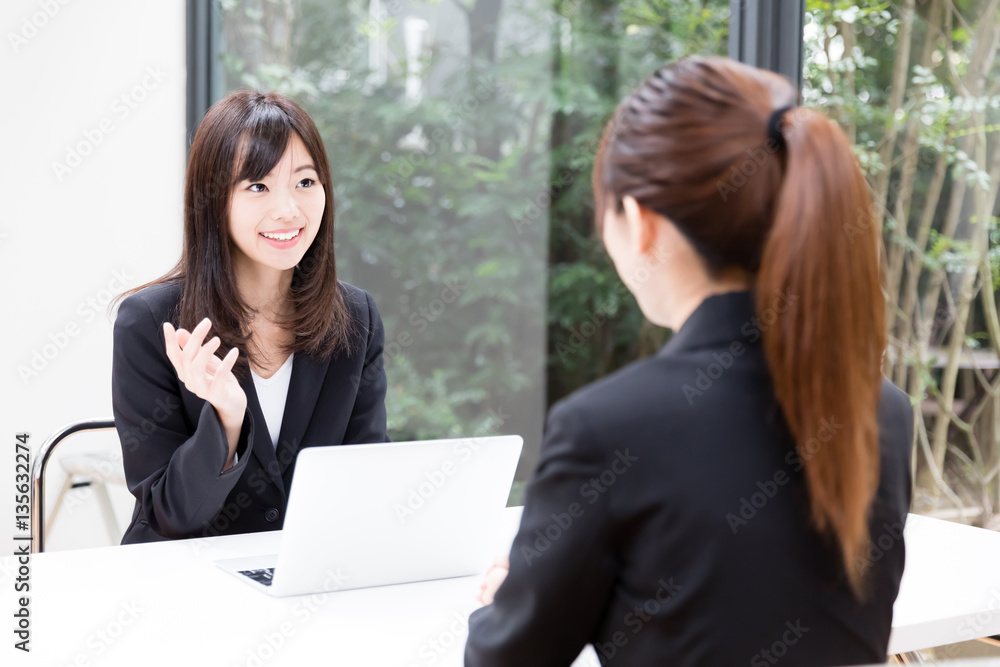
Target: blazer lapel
[[303, 392], [261, 445]]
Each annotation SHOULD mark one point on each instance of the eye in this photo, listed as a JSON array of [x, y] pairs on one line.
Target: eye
[[307, 183], [256, 187]]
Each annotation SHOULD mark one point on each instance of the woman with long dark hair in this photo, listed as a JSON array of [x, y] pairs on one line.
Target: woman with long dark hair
[[717, 504], [249, 349]]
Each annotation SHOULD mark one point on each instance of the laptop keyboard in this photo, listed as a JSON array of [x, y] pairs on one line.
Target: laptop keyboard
[[263, 576]]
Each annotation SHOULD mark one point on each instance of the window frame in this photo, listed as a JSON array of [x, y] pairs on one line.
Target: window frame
[[203, 70], [762, 33], [768, 34]]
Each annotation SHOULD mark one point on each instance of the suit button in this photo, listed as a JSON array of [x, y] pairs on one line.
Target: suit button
[[271, 515]]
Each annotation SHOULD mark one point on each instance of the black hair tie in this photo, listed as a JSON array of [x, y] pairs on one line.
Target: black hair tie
[[774, 127]]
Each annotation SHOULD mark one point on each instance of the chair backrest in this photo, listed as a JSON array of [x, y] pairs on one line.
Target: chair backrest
[[38, 473]]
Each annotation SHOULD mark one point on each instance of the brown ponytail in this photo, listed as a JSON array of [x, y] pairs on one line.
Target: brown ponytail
[[692, 144], [826, 357]]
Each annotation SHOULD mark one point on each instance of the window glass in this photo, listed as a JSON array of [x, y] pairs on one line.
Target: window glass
[[461, 136]]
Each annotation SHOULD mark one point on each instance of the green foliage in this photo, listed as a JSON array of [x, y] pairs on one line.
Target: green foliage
[[483, 182], [467, 209], [593, 322], [948, 118]]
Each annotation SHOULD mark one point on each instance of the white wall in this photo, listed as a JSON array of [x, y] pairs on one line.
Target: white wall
[[93, 148]]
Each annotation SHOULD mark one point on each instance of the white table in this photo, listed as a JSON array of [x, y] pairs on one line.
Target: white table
[[950, 591], [137, 605], [166, 603]]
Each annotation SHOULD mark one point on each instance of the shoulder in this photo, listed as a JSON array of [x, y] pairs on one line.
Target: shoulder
[[357, 300], [894, 401], [138, 334], [367, 323], [625, 387], [611, 403], [360, 305], [895, 421], [155, 303]]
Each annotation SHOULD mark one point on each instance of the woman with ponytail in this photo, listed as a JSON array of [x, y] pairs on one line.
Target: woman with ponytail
[[717, 504]]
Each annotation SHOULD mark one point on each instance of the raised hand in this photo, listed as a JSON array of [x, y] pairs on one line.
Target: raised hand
[[207, 376]]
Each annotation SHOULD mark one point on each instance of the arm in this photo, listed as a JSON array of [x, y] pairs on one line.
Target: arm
[[174, 473], [367, 423], [562, 565]]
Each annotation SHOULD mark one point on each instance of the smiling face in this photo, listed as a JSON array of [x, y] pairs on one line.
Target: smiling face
[[273, 220]]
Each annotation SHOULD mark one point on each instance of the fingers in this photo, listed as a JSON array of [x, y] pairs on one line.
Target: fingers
[[193, 346], [229, 360], [490, 585], [216, 387], [222, 372], [195, 363], [207, 351], [494, 576], [202, 372], [483, 593]]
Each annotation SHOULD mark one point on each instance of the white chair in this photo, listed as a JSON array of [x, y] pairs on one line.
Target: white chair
[[82, 470]]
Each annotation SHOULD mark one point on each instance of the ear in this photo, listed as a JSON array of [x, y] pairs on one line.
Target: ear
[[642, 227]]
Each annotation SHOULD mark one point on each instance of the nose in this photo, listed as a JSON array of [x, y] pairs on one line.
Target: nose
[[285, 207]]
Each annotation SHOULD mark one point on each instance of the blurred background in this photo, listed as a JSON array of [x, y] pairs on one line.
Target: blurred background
[[461, 135]]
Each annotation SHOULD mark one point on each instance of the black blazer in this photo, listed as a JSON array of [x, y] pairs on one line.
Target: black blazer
[[667, 522], [173, 443]]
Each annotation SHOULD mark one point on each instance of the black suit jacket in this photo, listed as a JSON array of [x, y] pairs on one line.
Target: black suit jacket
[[667, 522], [174, 446]]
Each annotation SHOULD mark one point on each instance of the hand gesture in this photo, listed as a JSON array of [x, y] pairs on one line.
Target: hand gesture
[[204, 374]]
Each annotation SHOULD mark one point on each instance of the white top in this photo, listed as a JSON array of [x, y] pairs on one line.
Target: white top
[[272, 393]]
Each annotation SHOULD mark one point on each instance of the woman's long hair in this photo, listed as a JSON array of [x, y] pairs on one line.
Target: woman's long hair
[[692, 144], [242, 137]]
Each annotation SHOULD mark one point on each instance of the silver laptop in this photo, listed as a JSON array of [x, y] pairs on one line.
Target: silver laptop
[[387, 513]]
